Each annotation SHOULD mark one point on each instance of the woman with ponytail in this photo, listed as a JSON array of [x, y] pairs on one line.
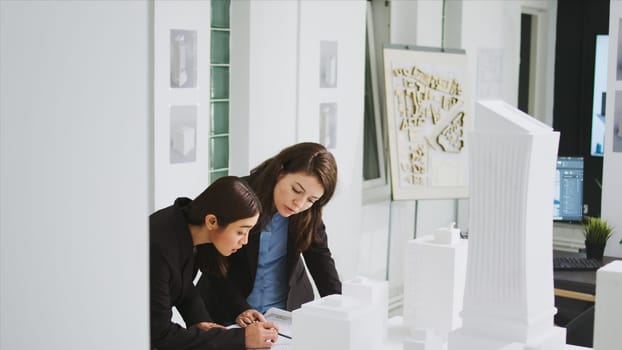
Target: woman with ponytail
[[219, 220]]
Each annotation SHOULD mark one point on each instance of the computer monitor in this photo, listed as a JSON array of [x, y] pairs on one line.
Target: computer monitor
[[568, 200]]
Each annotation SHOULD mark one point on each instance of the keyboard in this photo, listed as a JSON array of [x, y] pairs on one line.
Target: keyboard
[[569, 263]]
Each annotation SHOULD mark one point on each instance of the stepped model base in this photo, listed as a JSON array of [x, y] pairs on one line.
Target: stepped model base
[[555, 339], [425, 340]]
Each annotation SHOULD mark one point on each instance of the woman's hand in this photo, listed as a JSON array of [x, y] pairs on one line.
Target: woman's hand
[[261, 335], [248, 317], [207, 325]]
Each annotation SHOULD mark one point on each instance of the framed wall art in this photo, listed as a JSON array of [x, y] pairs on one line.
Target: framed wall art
[[427, 112]]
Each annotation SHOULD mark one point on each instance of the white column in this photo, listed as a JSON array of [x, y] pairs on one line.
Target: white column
[[263, 81], [608, 307]]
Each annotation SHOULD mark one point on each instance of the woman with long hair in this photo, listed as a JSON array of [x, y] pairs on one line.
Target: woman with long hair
[[293, 187]]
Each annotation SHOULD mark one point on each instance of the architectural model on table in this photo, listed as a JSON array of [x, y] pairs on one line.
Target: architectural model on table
[[434, 277], [355, 320], [509, 301]]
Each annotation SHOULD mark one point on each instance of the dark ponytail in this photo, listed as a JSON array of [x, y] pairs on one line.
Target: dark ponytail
[[230, 199]]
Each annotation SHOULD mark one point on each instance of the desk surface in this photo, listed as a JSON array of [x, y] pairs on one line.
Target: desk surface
[[397, 333], [577, 281]]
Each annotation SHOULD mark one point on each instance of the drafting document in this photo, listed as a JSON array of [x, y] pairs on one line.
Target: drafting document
[[283, 319]]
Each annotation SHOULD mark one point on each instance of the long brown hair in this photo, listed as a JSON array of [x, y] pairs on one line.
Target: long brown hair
[[230, 199], [309, 158]]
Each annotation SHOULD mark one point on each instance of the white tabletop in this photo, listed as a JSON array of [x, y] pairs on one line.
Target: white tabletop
[[397, 332]]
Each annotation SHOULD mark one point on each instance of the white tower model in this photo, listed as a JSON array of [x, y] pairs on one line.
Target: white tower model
[[508, 297], [434, 277]]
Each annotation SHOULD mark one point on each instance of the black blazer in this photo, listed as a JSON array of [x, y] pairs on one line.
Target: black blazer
[[172, 272], [226, 298]]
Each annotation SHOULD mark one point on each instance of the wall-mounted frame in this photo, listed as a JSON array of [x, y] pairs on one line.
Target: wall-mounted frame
[[183, 58], [328, 124], [328, 64], [427, 118], [183, 129]]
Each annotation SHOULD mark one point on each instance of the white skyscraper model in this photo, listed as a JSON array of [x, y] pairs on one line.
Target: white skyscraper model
[[508, 297], [434, 278]]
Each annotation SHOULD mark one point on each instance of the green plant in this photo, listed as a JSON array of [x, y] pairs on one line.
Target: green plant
[[596, 230]]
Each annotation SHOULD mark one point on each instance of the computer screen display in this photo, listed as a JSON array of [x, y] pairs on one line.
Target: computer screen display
[[568, 199]]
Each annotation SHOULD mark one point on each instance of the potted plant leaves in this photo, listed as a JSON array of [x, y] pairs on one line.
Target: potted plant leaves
[[596, 232]]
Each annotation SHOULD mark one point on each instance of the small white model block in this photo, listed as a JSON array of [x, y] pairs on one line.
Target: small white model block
[[447, 235], [336, 322], [375, 295], [400, 337], [508, 297], [608, 307], [183, 140], [425, 340], [435, 271]]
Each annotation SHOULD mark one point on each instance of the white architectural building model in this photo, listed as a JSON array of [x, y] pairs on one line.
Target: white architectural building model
[[504, 285], [508, 301], [355, 320], [434, 276]]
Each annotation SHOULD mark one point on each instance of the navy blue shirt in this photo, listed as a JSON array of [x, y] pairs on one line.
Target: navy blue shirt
[[270, 288]]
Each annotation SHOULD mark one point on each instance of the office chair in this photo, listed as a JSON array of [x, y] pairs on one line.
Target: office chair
[[580, 330]]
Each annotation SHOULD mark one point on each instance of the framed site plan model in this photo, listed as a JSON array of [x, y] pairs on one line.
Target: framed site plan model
[[427, 115]]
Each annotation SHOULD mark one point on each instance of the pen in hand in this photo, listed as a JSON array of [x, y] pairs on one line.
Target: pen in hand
[[284, 336]]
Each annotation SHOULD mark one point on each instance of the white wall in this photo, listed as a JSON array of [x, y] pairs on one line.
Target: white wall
[[545, 15], [345, 25], [74, 160], [416, 22], [275, 96], [182, 179], [264, 72], [612, 163], [478, 17]]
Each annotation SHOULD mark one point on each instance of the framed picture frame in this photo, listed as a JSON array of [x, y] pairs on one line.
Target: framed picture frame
[[427, 117], [183, 61]]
